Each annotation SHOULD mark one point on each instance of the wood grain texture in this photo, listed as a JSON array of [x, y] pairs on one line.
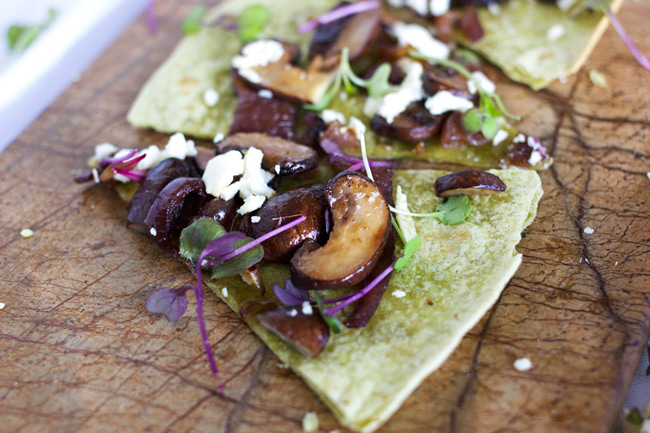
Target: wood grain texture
[[80, 354]]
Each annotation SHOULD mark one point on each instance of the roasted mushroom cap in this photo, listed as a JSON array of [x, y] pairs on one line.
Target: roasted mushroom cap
[[356, 33], [292, 82], [361, 224], [413, 125], [173, 209], [222, 211], [437, 78], [272, 116], [281, 156], [454, 135], [469, 182], [157, 178], [308, 333], [308, 201]]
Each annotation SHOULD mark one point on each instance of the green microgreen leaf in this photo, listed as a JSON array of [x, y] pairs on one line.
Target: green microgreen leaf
[[240, 262], [252, 22], [398, 229], [19, 37], [454, 210], [634, 416], [194, 21], [325, 101], [195, 237], [472, 120], [409, 249], [378, 84], [467, 56], [489, 127], [332, 322]]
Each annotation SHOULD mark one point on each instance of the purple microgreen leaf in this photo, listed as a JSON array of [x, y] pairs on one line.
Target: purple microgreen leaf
[[258, 241], [338, 13], [239, 262], [361, 293], [170, 302], [127, 164], [335, 154], [618, 26], [134, 175], [290, 294], [355, 167], [114, 160], [152, 21], [328, 223], [197, 236]]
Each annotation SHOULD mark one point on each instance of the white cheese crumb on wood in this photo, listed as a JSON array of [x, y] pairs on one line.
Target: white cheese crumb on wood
[[589, 230], [27, 233], [523, 364], [310, 422], [2, 305], [444, 101]]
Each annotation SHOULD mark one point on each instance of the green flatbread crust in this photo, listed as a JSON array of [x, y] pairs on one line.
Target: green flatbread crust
[[516, 40], [365, 374]]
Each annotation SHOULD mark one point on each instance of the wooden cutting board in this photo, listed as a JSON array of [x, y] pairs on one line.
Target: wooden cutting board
[[80, 353]]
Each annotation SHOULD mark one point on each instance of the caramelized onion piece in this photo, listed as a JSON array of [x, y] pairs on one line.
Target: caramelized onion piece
[[308, 201], [361, 225], [469, 182], [157, 178], [281, 156], [454, 135], [271, 116], [173, 208], [307, 333], [365, 307], [413, 125]]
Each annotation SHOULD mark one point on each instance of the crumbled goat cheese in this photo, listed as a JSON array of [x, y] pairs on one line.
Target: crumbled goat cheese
[[277, 168], [153, 231], [265, 93], [439, 7], [520, 138], [210, 97], [310, 422], [405, 222], [480, 82], [419, 6], [179, 147], [254, 54], [307, 309], [330, 116], [224, 292], [399, 293], [152, 156], [523, 364], [444, 101], [27, 233], [536, 155], [255, 219], [251, 203], [648, 174], [589, 231], [409, 91], [499, 137], [420, 39], [104, 150], [220, 172], [615, 263], [2, 305], [372, 106], [218, 138], [555, 32], [255, 180], [95, 175], [494, 8], [292, 312], [357, 126]]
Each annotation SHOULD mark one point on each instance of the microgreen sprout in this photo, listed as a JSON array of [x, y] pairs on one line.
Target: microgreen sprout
[[490, 106], [124, 165], [338, 13], [361, 293], [377, 85], [252, 21], [194, 21], [332, 322], [618, 26], [19, 37]]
